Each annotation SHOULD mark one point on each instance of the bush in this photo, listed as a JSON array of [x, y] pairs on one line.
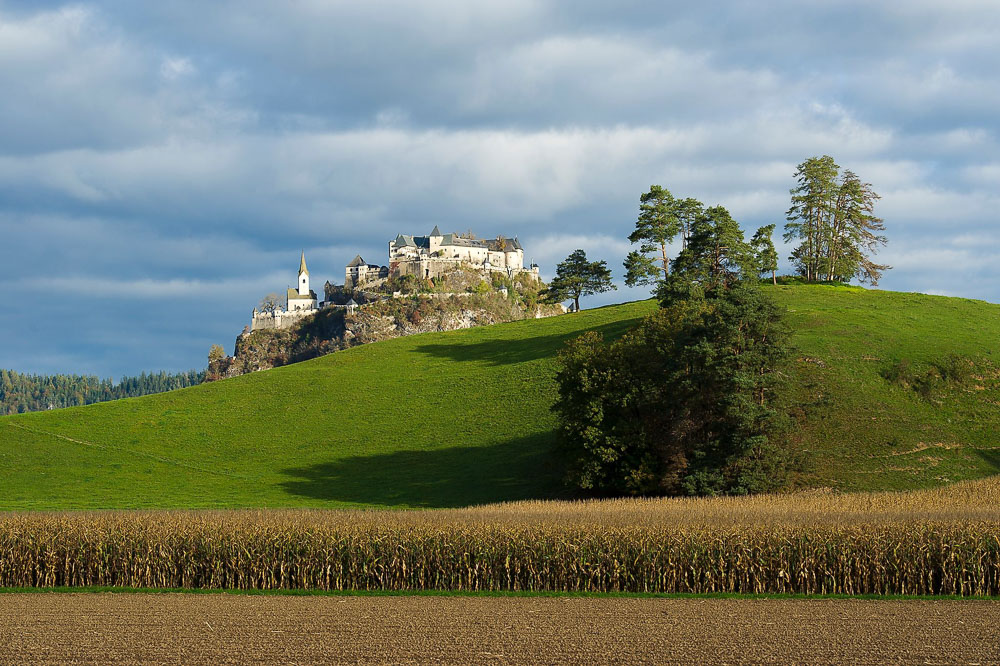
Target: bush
[[953, 371]]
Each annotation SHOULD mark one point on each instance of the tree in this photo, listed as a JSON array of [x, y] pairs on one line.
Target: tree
[[576, 277], [683, 403], [856, 233], [716, 256], [813, 203], [270, 303], [764, 252], [657, 226], [216, 353], [687, 212]]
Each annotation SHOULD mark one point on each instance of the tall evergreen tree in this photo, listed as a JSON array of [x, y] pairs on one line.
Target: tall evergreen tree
[[764, 252], [683, 403], [657, 226], [856, 234], [813, 204], [576, 277], [687, 211], [717, 255]]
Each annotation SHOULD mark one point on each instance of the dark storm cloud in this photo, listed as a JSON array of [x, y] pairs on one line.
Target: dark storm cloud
[[162, 164]]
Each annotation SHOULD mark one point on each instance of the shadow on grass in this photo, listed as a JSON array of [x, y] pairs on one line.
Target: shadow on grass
[[504, 352], [991, 457], [519, 469]]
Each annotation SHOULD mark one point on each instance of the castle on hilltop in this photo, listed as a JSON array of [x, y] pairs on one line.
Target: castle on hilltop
[[429, 257], [423, 257]]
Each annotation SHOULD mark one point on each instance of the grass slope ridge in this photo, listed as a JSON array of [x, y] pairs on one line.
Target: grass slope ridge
[[439, 419], [460, 418]]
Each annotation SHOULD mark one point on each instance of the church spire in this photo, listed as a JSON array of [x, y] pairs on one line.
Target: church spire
[[303, 276]]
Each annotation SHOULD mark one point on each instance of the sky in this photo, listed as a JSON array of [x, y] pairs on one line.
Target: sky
[[162, 165]]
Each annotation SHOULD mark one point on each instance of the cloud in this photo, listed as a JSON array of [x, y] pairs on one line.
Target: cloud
[[175, 68], [162, 164]]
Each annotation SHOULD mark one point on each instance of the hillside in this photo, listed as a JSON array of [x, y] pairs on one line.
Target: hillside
[[870, 431], [459, 418]]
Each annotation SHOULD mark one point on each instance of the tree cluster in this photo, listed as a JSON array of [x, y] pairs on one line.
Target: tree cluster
[[21, 393], [833, 217], [683, 403]]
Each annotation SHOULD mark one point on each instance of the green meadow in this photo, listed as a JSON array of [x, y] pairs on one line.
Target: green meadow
[[461, 418]]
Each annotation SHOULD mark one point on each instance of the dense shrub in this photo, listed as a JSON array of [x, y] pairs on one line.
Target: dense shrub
[[679, 405]]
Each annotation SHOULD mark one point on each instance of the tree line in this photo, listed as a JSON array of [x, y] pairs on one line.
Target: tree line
[[20, 393], [685, 403]]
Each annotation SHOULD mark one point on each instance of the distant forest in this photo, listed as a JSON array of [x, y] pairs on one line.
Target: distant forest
[[32, 393]]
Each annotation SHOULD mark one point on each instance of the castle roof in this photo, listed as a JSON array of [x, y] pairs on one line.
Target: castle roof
[[453, 240], [509, 244], [403, 241], [351, 302], [411, 241], [302, 265], [293, 295], [356, 261]]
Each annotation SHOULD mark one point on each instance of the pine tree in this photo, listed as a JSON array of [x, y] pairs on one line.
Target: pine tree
[[813, 206], [656, 227], [857, 233], [716, 256], [576, 277], [764, 252], [833, 217]]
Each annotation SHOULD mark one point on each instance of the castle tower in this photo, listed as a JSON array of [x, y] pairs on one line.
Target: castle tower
[[303, 277], [434, 240]]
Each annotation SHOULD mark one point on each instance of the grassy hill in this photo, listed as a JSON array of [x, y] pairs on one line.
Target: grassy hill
[[459, 418]]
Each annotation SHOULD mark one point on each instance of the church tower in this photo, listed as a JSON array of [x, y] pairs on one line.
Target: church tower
[[303, 277]]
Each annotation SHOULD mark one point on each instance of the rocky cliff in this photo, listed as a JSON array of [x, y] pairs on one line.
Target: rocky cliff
[[333, 329]]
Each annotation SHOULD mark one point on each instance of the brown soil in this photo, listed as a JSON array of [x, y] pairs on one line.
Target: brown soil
[[174, 628]]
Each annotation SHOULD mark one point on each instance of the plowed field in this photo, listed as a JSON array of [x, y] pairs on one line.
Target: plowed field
[[220, 629]]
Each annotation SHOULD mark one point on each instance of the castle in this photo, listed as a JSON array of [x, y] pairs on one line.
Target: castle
[[428, 257], [423, 257]]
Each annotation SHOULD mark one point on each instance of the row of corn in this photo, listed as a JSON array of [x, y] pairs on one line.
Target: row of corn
[[245, 551]]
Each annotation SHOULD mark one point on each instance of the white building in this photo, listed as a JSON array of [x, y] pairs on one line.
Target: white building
[[428, 257], [301, 298], [300, 302]]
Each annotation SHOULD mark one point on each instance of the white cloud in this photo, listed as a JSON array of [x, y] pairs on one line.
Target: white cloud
[[175, 68], [175, 146]]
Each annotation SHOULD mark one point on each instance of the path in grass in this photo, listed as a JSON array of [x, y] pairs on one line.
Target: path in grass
[[230, 629]]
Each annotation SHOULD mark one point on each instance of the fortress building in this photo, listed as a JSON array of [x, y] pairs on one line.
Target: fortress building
[[428, 257], [423, 257], [360, 273]]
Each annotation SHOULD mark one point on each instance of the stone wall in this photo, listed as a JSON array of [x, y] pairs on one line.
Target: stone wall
[[279, 319]]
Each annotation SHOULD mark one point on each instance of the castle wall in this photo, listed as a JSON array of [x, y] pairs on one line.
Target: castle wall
[[433, 267], [279, 319]]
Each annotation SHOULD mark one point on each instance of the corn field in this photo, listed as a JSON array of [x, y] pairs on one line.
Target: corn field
[[939, 542]]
